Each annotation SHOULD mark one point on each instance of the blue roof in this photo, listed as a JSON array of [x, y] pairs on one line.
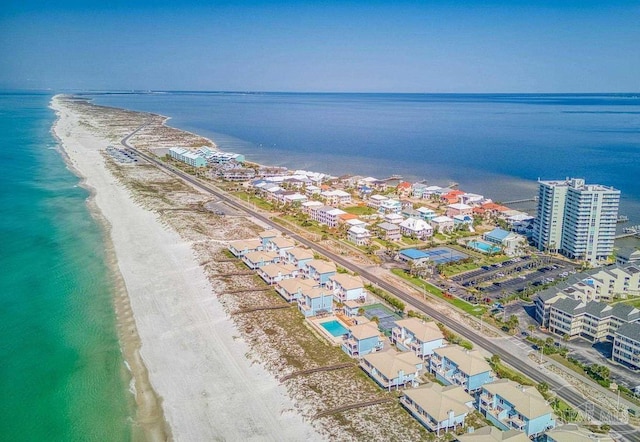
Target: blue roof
[[414, 253], [497, 234]]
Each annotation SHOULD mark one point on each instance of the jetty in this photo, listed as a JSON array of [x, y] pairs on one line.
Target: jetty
[[524, 200], [629, 232]]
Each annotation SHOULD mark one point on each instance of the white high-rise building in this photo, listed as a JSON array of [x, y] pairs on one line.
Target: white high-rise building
[[576, 219]]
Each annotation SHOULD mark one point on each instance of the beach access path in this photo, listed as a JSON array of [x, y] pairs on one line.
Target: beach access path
[[195, 357]]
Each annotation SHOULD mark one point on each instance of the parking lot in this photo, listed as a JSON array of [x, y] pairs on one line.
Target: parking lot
[[123, 156], [514, 276]]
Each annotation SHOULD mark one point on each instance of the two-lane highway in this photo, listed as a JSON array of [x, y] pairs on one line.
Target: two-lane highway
[[629, 432]]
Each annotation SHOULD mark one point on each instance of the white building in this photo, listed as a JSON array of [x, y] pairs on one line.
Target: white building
[[416, 227], [576, 219], [358, 235], [626, 345], [327, 215]]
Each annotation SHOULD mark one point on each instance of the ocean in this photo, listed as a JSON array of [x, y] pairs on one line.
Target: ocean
[[62, 374], [497, 145]]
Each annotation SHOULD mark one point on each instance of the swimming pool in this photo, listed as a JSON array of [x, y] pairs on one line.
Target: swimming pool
[[335, 328], [483, 247]]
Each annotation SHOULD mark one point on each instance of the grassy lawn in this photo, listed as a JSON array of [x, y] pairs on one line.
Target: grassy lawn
[[454, 269], [474, 310], [632, 302], [360, 210], [410, 241], [259, 202]]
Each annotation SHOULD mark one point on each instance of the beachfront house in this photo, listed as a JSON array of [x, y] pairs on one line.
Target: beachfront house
[[273, 273], [242, 247], [426, 213], [299, 257], [362, 340], [508, 405], [294, 288], [511, 243], [351, 309], [438, 408], [442, 224], [391, 369], [389, 231], [320, 270], [458, 209], [358, 235], [346, 287], [336, 197], [493, 434], [390, 206], [417, 228], [255, 260], [375, 201], [417, 336], [266, 236], [280, 245], [575, 433], [315, 302], [455, 365]]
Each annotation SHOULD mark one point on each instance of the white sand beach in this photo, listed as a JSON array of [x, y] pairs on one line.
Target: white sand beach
[[208, 388]]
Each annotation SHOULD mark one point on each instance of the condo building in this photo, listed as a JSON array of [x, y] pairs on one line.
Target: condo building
[[576, 219]]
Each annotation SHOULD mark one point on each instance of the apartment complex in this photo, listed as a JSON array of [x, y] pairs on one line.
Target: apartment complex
[[626, 345], [576, 219]]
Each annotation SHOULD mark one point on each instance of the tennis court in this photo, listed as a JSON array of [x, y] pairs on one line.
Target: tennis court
[[387, 317], [442, 255]]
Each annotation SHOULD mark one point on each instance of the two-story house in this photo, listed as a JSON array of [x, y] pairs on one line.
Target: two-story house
[[242, 247], [455, 365], [362, 340], [315, 301], [255, 260], [292, 289], [273, 273], [417, 336], [438, 408], [508, 405], [320, 270], [391, 369], [346, 287]]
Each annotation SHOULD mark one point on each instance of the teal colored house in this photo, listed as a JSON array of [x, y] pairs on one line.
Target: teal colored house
[[417, 336], [510, 406], [392, 369], [267, 236], [315, 301], [439, 408], [299, 257], [362, 340], [456, 365], [320, 270]]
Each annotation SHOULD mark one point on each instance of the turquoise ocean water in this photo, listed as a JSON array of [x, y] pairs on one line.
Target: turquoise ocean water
[[62, 375]]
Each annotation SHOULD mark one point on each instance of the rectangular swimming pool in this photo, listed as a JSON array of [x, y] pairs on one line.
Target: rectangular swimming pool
[[335, 328], [483, 247]]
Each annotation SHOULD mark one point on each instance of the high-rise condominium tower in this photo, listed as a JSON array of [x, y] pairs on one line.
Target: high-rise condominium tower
[[576, 219]]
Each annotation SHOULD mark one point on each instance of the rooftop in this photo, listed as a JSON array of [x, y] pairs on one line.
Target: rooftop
[[526, 400], [423, 331], [438, 401], [469, 362]]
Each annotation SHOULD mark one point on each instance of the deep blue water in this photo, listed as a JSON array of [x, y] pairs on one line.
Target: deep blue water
[[495, 144], [62, 376]]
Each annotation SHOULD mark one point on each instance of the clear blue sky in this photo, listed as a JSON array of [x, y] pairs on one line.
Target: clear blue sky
[[383, 46]]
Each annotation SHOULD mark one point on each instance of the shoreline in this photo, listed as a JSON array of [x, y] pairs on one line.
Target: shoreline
[[180, 344], [149, 416]]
